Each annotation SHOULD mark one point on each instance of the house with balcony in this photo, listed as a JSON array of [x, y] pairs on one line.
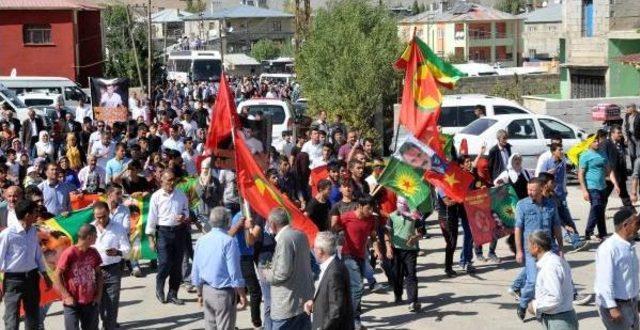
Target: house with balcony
[[467, 32]]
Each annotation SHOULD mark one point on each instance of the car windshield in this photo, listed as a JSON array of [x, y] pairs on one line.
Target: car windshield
[[182, 65], [36, 102], [11, 96], [206, 70], [478, 126], [276, 112]]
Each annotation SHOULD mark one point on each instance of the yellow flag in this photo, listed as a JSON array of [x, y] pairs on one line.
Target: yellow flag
[[574, 153]]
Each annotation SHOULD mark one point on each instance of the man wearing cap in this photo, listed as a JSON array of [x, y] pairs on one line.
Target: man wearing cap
[[616, 284], [632, 130]]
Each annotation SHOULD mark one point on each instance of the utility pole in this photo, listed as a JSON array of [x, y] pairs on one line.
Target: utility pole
[[133, 45], [220, 24], [149, 50]]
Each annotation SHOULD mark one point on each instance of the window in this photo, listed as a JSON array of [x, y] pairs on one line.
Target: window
[[74, 93], [275, 111], [506, 110], [478, 126], [587, 18], [532, 29], [456, 116], [552, 128], [522, 129], [277, 26], [532, 53], [36, 34]]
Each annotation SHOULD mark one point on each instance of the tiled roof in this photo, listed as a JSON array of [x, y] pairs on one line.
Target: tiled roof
[[550, 14], [169, 16], [241, 11], [633, 59], [462, 12], [47, 4]]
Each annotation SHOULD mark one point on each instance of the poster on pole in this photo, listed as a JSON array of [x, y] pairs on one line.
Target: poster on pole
[[110, 99]]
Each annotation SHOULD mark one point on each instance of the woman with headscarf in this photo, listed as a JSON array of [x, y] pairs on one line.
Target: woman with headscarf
[[44, 147], [16, 145], [515, 175], [72, 151], [70, 176], [6, 136]]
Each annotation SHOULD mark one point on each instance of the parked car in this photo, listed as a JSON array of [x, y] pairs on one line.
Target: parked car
[[283, 116], [11, 100], [529, 134], [457, 111], [70, 92]]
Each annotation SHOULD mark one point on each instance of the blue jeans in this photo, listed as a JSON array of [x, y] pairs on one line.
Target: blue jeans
[[530, 271], [466, 257], [298, 322], [596, 213], [355, 283]]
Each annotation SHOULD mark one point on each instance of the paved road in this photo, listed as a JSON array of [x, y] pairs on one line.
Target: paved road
[[465, 302]]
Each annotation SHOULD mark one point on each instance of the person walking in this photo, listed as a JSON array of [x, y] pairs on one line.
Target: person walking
[[22, 263], [290, 275], [533, 213], [331, 304], [216, 273], [168, 218], [499, 155], [553, 303], [78, 279], [593, 169], [112, 242], [615, 150], [616, 284], [632, 131]]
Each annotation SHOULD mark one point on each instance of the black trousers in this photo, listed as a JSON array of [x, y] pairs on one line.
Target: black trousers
[[170, 245], [448, 217], [21, 289], [83, 317], [404, 268], [112, 275], [253, 286], [624, 193]]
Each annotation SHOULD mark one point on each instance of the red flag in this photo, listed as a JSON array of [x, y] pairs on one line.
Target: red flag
[[454, 182], [223, 118], [317, 174], [261, 195], [477, 204]]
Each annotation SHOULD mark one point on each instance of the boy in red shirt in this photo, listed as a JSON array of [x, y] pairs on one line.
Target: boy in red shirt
[[78, 278]]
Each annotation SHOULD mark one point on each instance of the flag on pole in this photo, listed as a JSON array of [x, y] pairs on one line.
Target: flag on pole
[[223, 118], [574, 152], [317, 174], [140, 249], [261, 195], [503, 204], [406, 181]]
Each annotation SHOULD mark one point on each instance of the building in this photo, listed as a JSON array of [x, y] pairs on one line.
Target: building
[[243, 26], [467, 32], [541, 33], [598, 34], [168, 26], [51, 38]]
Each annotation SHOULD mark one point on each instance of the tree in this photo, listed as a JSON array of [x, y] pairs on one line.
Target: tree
[[265, 49], [423, 7], [513, 7], [346, 63], [196, 6], [415, 8]]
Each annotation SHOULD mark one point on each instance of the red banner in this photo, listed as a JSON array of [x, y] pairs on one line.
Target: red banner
[[477, 204]]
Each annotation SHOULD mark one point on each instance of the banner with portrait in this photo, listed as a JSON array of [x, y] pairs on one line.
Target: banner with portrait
[[491, 213], [110, 99]]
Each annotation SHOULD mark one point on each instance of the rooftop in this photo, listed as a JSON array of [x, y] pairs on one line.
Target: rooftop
[[169, 16], [47, 5], [462, 12], [241, 11], [550, 14]]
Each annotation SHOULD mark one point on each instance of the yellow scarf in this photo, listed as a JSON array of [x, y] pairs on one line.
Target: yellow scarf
[[73, 154]]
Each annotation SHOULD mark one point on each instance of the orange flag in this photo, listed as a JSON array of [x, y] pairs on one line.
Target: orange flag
[[317, 174], [261, 195]]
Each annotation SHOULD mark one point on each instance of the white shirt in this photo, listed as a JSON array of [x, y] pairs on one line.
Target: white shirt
[[142, 111], [84, 174], [323, 268], [554, 286], [12, 219], [616, 272], [189, 162], [110, 101], [103, 153], [113, 236], [190, 128], [170, 143], [34, 128], [313, 150], [14, 169], [542, 160], [254, 145], [82, 112], [95, 137], [163, 209]]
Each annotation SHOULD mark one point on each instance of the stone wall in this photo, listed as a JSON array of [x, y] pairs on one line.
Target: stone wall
[[574, 111], [510, 87]]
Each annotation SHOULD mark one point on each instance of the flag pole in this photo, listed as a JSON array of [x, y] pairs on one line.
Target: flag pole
[[397, 129]]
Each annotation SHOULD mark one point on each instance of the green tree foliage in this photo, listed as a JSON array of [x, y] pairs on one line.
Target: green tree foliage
[[196, 6], [345, 64], [513, 7], [119, 56], [265, 49], [415, 8]]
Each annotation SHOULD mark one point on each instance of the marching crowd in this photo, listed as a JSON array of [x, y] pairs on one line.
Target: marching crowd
[[299, 285]]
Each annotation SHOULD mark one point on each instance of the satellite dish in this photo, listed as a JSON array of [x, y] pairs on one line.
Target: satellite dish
[[14, 72]]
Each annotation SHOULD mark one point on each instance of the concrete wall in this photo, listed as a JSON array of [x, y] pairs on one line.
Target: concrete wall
[[625, 15], [543, 37], [508, 86], [581, 50], [574, 111]]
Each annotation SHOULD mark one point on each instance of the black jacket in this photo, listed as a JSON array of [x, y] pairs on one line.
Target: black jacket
[[636, 126], [332, 308], [496, 166]]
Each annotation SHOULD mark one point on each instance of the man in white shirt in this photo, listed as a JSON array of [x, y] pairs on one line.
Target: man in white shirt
[[169, 218], [7, 211], [553, 303], [616, 282], [92, 177], [97, 135], [112, 243], [254, 145], [545, 156], [174, 141], [109, 98], [189, 157], [104, 150], [189, 125], [313, 147], [82, 111]]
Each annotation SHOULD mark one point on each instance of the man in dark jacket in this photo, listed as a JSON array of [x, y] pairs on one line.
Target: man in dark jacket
[[499, 155], [615, 151], [331, 304], [632, 131]]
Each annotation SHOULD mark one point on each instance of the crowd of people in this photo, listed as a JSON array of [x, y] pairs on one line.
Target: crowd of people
[[300, 284]]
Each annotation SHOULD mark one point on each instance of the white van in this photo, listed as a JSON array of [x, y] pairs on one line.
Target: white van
[[70, 91], [10, 99], [278, 77]]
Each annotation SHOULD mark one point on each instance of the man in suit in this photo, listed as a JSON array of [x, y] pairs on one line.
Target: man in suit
[[499, 155], [30, 129], [290, 275], [331, 305], [7, 208], [632, 131], [14, 124]]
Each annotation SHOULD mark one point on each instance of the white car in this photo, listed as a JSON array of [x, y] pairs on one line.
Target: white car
[[281, 112], [40, 99], [528, 135], [457, 111]]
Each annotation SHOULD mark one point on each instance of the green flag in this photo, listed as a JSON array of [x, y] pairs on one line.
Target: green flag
[[407, 182], [503, 204], [70, 224]]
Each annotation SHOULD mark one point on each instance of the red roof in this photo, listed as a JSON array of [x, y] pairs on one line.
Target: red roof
[[47, 5], [630, 59]]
